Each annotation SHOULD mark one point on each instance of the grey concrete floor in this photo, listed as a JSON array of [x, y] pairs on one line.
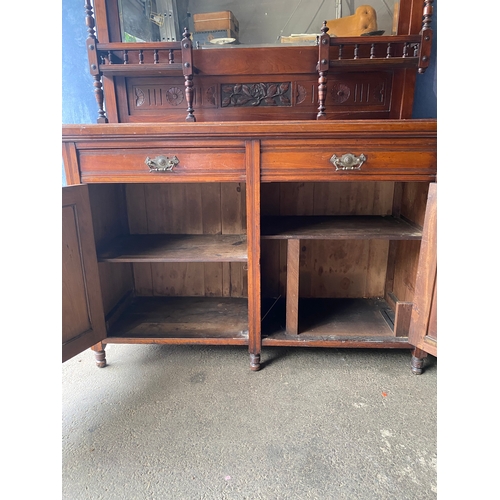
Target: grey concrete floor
[[193, 422]]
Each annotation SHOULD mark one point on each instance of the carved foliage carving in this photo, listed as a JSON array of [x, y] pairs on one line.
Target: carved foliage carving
[[210, 96], [256, 94], [301, 94]]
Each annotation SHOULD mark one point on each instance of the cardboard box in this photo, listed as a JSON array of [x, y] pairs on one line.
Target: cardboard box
[[215, 21]]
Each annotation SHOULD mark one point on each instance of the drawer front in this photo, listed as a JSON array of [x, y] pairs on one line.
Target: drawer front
[[162, 165], [408, 159]]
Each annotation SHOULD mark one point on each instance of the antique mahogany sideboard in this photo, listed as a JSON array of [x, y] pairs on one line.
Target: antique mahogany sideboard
[[253, 196]]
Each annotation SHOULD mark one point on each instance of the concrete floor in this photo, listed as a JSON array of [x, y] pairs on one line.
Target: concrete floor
[[193, 422]]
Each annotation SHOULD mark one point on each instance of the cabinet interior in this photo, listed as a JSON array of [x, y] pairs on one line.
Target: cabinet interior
[[338, 259], [172, 259]]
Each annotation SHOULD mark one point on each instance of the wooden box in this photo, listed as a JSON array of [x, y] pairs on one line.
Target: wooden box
[[215, 21]]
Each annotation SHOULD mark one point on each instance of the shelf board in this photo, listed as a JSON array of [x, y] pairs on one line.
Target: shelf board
[[176, 248], [334, 323], [193, 320], [338, 228]]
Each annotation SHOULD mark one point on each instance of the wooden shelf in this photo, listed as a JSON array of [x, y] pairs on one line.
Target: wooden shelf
[[176, 248], [333, 323], [190, 320], [339, 228]]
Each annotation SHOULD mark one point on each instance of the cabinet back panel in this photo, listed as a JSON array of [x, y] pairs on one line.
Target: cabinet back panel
[[413, 204], [109, 218], [346, 268], [327, 198], [199, 208], [191, 279], [208, 208], [414, 201], [327, 268], [109, 211], [405, 269]]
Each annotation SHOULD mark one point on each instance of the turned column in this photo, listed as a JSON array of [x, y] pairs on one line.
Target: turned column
[[187, 70], [322, 68], [91, 43]]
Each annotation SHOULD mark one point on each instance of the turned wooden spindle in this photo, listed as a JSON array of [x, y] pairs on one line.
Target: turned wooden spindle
[[91, 43], [372, 51], [322, 67], [356, 51], [125, 57], [187, 69], [427, 17], [188, 83], [89, 20], [426, 33], [170, 56], [155, 56], [389, 51], [321, 95], [141, 57]]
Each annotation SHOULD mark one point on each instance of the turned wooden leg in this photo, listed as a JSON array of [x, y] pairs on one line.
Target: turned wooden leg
[[100, 355], [417, 361], [255, 362]]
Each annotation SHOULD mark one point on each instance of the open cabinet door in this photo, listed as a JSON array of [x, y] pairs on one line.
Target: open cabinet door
[[82, 312], [423, 325]]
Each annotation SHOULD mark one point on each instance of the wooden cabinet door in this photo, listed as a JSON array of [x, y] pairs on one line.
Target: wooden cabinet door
[[423, 326], [82, 311]]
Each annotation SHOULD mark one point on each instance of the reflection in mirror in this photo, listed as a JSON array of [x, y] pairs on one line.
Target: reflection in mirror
[[152, 20], [257, 22]]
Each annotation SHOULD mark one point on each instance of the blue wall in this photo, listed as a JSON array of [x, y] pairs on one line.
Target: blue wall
[[425, 104], [78, 101]]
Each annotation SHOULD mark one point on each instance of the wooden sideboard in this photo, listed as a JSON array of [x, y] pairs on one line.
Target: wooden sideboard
[[279, 233]]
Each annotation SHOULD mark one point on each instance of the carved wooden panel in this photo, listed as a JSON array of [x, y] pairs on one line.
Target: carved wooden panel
[[359, 89], [256, 94], [258, 97], [156, 95]]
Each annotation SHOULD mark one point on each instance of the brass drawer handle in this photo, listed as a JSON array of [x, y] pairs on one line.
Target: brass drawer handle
[[161, 163], [348, 161]]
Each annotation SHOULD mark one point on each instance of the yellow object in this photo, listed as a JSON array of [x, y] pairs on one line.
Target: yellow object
[[364, 20]]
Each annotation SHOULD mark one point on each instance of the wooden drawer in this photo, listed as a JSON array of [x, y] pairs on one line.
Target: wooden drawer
[[404, 159], [167, 164]]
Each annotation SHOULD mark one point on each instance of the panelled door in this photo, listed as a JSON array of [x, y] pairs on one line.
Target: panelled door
[[82, 311], [423, 326]]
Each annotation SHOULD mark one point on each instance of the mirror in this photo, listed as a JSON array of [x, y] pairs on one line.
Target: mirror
[[258, 22]]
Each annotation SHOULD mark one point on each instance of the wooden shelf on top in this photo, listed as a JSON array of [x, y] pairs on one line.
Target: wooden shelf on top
[[338, 228], [176, 248]]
